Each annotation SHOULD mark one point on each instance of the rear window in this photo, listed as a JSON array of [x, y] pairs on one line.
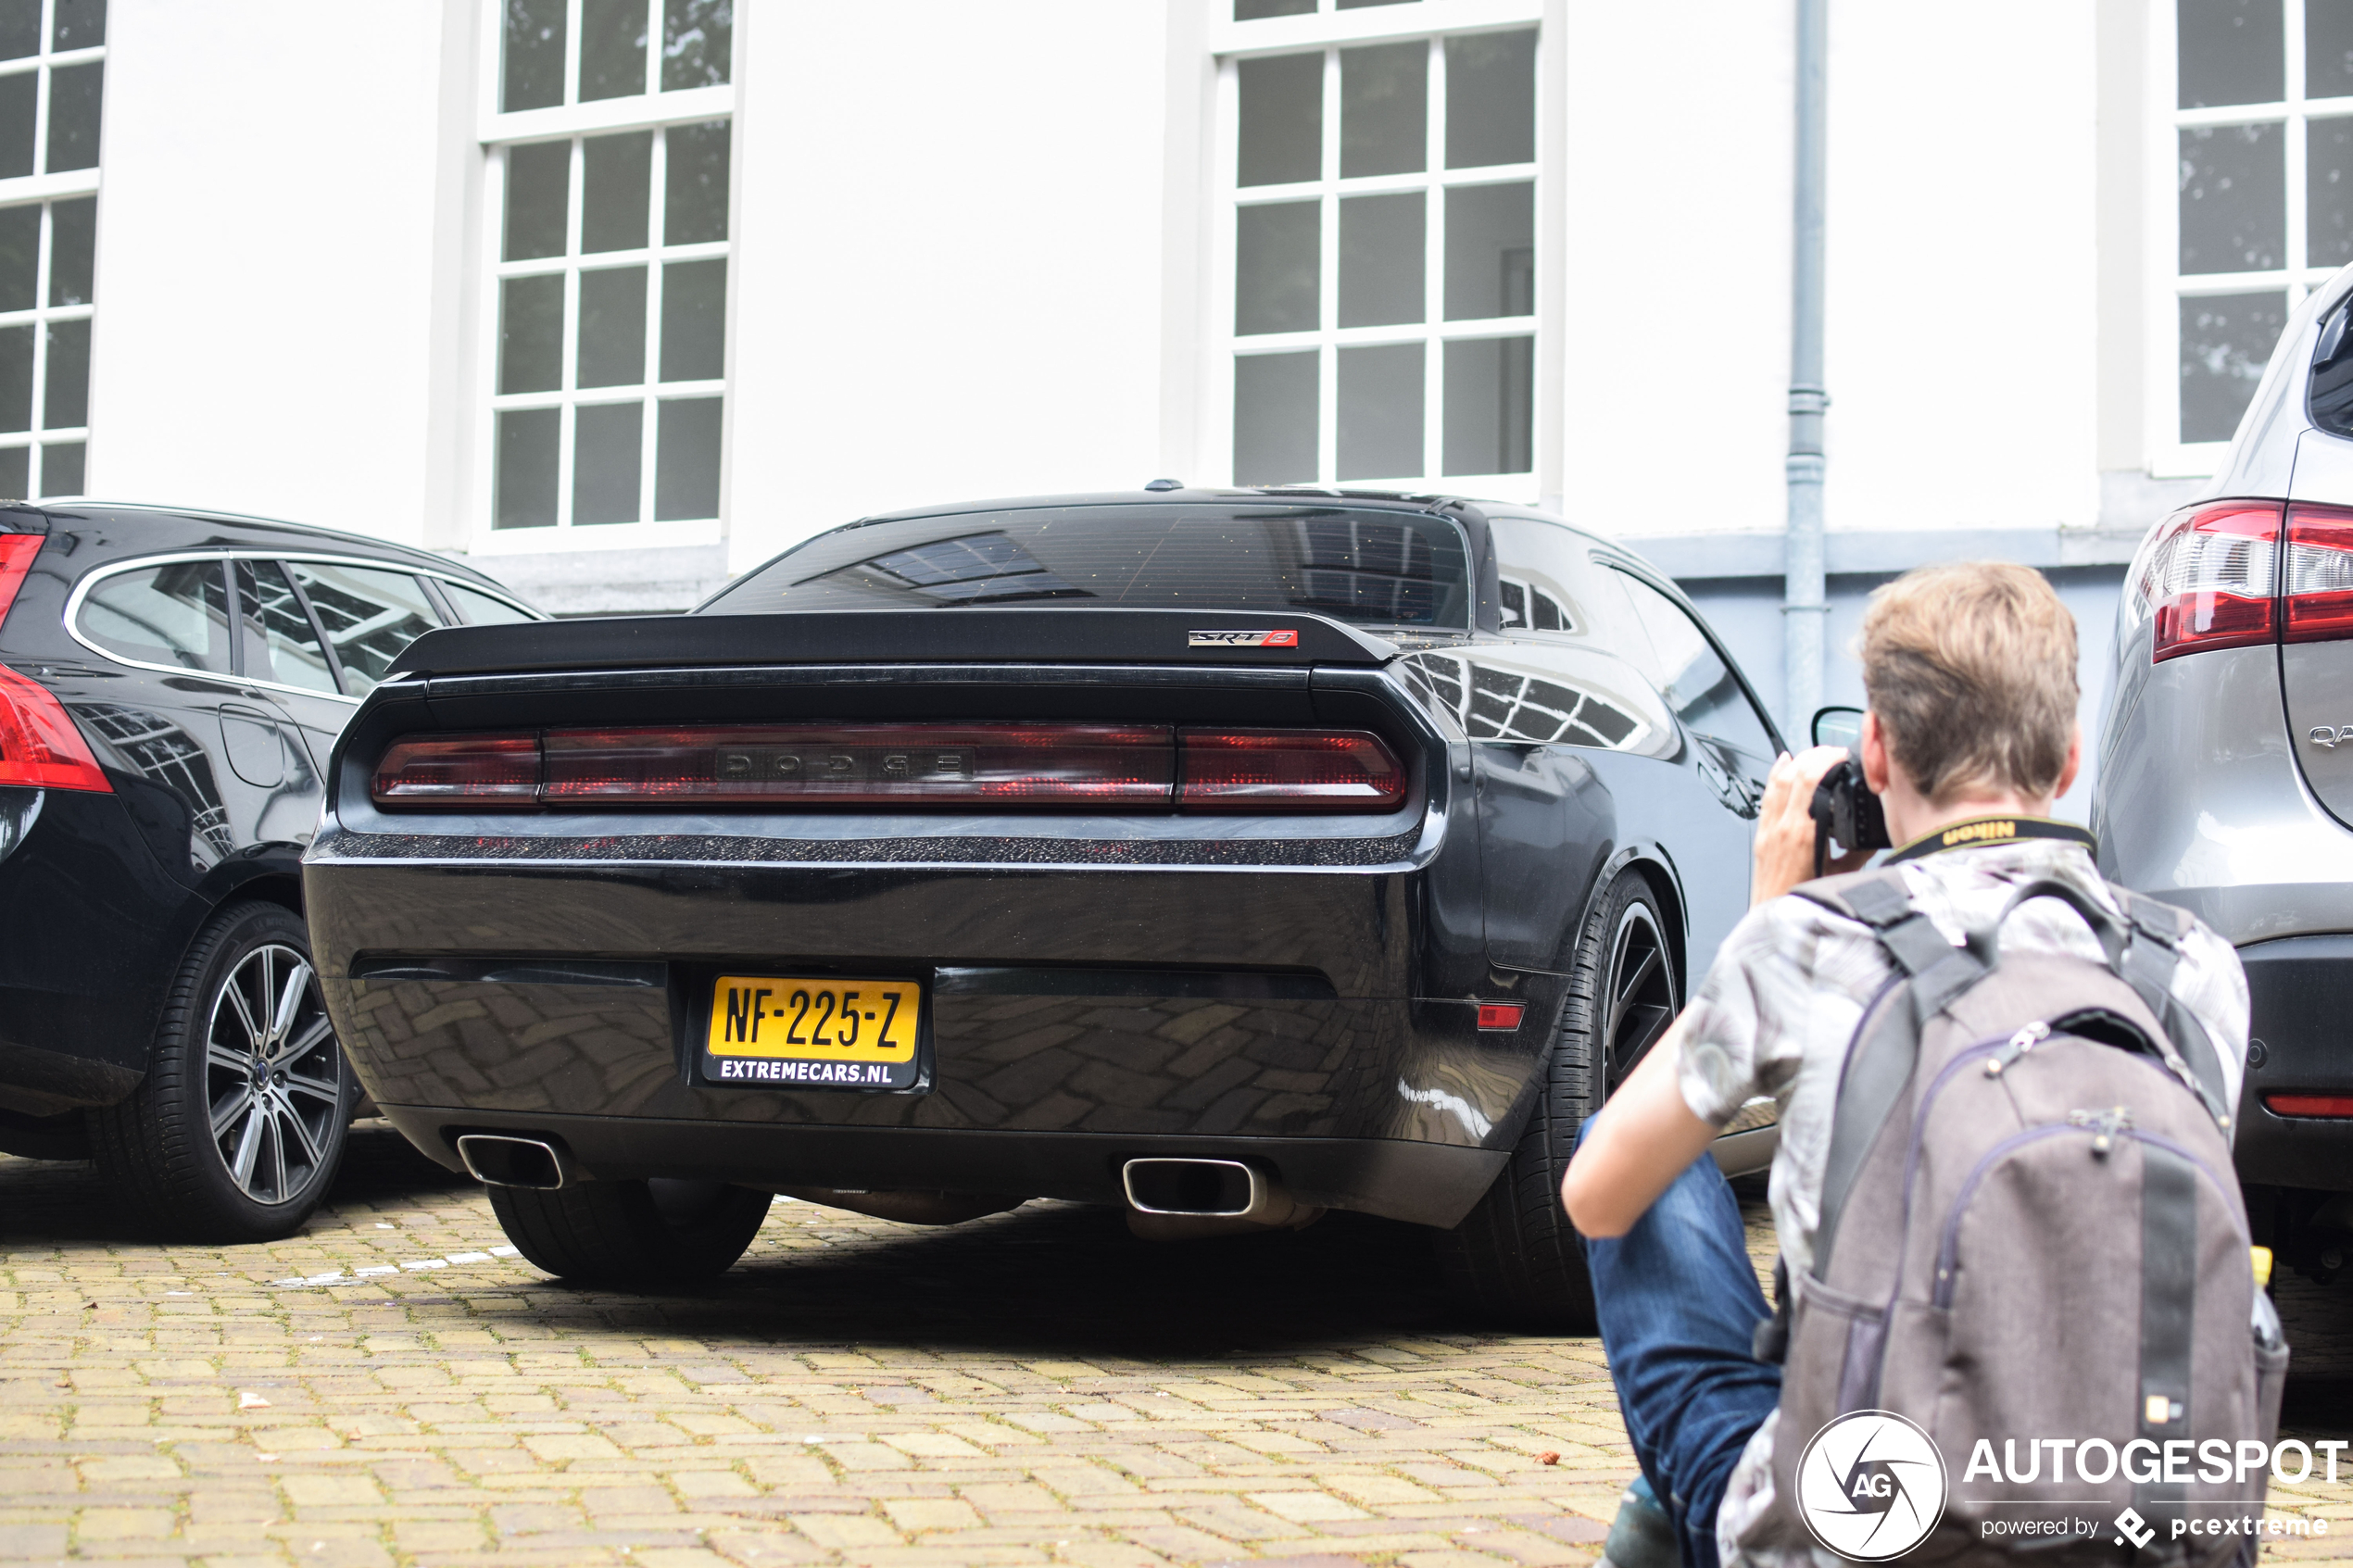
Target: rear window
[[1375, 569]]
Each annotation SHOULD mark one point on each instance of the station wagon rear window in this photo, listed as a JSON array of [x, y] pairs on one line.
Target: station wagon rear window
[[1370, 568]]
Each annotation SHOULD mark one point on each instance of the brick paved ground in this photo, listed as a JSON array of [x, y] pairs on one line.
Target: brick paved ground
[[1034, 1387]]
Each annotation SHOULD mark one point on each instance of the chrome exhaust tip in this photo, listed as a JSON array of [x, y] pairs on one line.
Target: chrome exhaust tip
[[1195, 1188], [497, 1160]]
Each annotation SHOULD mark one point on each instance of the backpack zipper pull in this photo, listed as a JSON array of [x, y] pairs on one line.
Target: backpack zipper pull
[[2021, 1043], [2104, 1126]]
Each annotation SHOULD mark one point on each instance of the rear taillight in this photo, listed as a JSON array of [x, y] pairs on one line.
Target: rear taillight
[[1137, 767], [490, 769], [16, 551], [1241, 770], [39, 745], [2209, 578], [2319, 586], [862, 764]]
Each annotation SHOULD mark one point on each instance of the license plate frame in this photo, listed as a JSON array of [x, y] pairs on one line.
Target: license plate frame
[[797, 1063]]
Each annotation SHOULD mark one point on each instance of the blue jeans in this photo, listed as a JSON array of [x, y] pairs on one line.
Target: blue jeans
[[1679, 1302]]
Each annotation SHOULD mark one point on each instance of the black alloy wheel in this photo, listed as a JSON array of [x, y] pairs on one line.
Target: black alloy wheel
[[641, 1235], [236, 1132], [1516, 1257]]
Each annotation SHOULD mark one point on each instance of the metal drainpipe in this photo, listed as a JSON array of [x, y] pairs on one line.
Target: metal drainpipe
[[1804, 607]]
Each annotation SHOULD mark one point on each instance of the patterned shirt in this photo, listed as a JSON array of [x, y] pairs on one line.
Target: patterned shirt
[[1787, 989]]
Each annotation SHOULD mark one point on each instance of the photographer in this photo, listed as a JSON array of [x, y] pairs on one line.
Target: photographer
[[1970, 671]]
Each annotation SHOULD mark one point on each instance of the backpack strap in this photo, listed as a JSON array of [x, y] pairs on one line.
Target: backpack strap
[[2169, 1306], [1880, 1060], [2155, 952]]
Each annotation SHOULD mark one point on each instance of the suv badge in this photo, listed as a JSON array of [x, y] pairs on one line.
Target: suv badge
[[1241, 639], [2332, 738]]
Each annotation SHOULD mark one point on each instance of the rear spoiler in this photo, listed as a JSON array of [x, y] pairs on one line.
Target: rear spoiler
[[896, 636]]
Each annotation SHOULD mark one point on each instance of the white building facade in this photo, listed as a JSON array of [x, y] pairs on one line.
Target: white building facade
[[620, 296]]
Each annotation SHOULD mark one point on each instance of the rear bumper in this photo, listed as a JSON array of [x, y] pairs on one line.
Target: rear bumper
[[1423, 1183], [2300, 989]]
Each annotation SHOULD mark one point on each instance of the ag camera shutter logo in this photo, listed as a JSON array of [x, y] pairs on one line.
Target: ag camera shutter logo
[[1870, 1486]]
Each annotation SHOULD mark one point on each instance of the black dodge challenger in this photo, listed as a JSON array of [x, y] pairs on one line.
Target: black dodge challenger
[[1227, 856]]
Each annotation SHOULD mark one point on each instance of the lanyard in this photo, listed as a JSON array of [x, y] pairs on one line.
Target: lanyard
[[1979, 831]]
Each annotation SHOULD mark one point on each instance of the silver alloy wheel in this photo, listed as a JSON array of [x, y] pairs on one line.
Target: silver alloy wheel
[[273, 1075], [1641, 999]]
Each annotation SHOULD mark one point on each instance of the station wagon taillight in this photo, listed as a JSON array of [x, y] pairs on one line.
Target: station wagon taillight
[[39, 746], [1135, 767], [2210, 578]]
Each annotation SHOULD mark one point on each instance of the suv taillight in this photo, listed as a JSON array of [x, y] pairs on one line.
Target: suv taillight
[[16, 551], [2319, 586], [1093, 766], [2209, 577]]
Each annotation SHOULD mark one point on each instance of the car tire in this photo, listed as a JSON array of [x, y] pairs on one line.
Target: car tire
[[238, 1128], [632, 1234], [1516, 1257]]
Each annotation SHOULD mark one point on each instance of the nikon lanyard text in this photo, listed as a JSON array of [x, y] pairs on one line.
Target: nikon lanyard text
[[1989, 830]]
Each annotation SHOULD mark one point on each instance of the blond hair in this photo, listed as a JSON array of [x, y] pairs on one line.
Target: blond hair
[[1971, 669]]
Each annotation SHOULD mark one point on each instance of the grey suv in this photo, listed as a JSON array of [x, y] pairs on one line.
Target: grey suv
[[2226, 762]]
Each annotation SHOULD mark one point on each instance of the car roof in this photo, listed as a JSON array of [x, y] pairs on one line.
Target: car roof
[[137, 527]]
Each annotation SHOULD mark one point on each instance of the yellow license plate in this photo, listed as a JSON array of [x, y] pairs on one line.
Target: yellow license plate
[[805, 1019]]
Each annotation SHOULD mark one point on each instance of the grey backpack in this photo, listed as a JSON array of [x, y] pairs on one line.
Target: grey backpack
[[2031, 1230]]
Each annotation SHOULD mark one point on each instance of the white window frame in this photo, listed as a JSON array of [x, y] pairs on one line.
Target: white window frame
[[46, 188], [657, 112], [2170, 457], [1330, 30]]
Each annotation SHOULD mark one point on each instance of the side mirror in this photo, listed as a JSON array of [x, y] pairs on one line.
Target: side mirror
[[1839, 726]]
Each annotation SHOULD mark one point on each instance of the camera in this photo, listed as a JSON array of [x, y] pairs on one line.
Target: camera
[[1844, 808]]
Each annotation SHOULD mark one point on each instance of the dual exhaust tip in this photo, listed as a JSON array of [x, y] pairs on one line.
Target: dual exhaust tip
[[1168, 1199]]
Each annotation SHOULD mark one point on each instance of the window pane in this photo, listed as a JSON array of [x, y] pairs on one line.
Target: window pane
[[538, 199], [65, 399], [176, 614], [1282, 119], [616, 186], [2227, 341], [526, 481], [18, 100], [74, 92], [1277, 287], [61, 468], [1490, 99], [612, 48], [19, 257], [15, 470], [481, 608], [281, 644], [1384, 116], [531, 333], [686, 459], [2230, 52], [694, 320], [2328, 190], [370, 615], [1381, 260], [2234, 198], [1358, 5], [1380, 411], [2328, 48], [612, 327], [1491, 251], [1691, 675], [608, 456], [534, 75], [19, 36], [1275, 417], [82, 24], [698, 38], [15, 377], [73, 246], [1254, 10], [1490, 388], [693, 196]]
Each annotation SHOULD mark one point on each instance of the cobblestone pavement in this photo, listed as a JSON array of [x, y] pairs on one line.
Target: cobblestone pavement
[[394, 1387]]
